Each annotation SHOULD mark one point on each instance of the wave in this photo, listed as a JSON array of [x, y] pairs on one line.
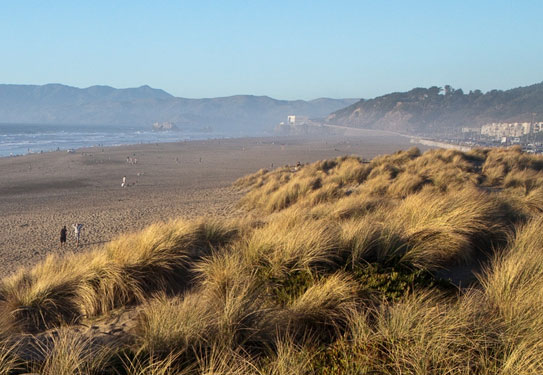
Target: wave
[[24, 139]]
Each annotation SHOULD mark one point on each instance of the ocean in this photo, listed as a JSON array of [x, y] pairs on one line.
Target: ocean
[[21, 139]]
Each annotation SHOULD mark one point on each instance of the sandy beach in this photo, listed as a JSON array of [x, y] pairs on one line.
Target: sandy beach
[[40, 193]]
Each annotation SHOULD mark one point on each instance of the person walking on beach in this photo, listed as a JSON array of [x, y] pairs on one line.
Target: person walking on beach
[[77, 232], [123, 184], [63, 236]]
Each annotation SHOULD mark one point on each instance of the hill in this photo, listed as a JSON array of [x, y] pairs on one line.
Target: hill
[[409, 263], [142, 106], [434, 111]]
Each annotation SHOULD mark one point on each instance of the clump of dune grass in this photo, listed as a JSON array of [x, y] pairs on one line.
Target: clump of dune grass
[[527, 180], [289, 193], [397, 158], [136, 265], [290, 357], [421, 334], [177, 323], [500, 162], [429, 229], [252, 180], [514, 282], [230, 314], [366, 240], [241, 316], [224, 361], [42, 298], [355, 206], [150, 366], [407, 184], [324, 309], [451, 228], [67, 352], [533, 201], [290, 243], [350, 170], [9, 359]]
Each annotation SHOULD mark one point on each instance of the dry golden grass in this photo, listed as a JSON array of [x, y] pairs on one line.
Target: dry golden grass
[[173, 324], [366, 240], [159, 258], [397, 175], [324, 309], [225, 312], [150, 366], [9, 360], [123, 272], [355, 206], [421, 334], [289, 358], [291, 242], [501, 162], [41, 298], [240, 315], [443, 229], [284, 291], [69, 353], [514, 283]]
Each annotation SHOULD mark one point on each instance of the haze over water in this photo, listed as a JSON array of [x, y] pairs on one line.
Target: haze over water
[[20, 139]]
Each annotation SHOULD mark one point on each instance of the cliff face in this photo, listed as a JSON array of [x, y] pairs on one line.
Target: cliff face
[[434, 110]]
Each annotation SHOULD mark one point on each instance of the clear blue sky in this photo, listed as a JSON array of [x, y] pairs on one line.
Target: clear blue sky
[[284, 49]]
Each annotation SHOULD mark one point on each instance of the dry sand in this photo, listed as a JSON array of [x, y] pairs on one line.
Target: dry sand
[[40, 193]]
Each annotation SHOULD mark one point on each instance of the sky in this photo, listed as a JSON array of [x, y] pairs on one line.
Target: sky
[[283, 49]]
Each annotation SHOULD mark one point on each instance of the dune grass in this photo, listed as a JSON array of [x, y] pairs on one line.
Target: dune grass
[[9, 360], [66, 353], [123, 272], [334, 270]]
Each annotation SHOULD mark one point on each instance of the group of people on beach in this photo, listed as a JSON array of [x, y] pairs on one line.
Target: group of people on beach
[[130, 160], [64, 232]]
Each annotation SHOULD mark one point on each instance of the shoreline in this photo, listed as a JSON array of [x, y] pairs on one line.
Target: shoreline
[[75, 149]]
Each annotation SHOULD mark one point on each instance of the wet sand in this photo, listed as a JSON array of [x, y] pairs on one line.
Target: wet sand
[[40, 193]]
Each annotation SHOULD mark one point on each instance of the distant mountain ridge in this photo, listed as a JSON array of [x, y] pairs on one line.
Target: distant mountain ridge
[[142, 106], [440, 111]]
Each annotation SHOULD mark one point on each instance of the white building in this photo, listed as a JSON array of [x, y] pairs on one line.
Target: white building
[[509, 129], [297, 120]]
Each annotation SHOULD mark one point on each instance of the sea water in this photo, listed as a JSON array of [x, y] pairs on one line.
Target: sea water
[[21, 139]]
